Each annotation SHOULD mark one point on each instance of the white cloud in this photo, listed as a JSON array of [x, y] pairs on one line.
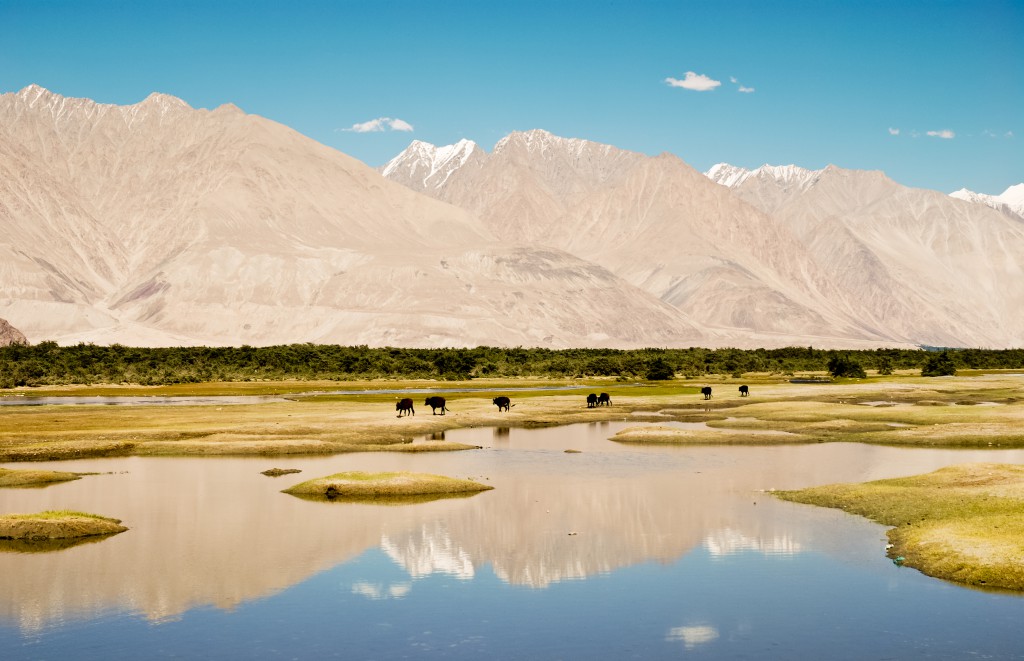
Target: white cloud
[[945, 134], [893, 131], [1009, 134], [740, 87], [697, 82], [400, 125], [380, 124]]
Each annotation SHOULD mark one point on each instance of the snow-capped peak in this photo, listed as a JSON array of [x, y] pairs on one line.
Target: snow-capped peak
[[1012, 199], [732, 176], [1014, 195], [429, 166], [727, 175]]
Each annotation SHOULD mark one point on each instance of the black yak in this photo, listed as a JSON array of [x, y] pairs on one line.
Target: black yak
[[405, 406], [604, 399], [744, 391], [592, 400], [706, 391], [435, 403], [502, 403]]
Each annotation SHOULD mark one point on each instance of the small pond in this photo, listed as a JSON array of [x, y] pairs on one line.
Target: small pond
[[612, 552]]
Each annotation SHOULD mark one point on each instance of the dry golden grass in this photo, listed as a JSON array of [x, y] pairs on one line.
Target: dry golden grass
[[362, 486], [56, 524], [962, 523], [663, 435], [367, 422]]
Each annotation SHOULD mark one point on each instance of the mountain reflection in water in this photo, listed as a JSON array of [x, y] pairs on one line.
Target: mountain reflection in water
[[215, 532]]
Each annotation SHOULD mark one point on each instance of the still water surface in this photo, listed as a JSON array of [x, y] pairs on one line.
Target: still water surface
[[614, 552]]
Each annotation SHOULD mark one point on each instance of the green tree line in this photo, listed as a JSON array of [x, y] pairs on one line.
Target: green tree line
[[47, 363]]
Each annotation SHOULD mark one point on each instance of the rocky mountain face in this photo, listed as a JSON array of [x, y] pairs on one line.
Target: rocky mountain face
[[909, 262], [159, 224], [833, 256], [10, 335], [657, 223]]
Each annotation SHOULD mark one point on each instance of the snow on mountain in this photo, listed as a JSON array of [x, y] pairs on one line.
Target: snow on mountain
[[1011, 200], [732, 176], [426, 166]]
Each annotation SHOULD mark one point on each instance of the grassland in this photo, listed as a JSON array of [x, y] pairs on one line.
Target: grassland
[[962, 523], [982, 410]]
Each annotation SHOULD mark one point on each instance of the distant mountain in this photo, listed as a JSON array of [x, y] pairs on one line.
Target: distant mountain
[[912, 263], [1011, 200], [654, 221], [10, 335], [158, 224], [834, 254]]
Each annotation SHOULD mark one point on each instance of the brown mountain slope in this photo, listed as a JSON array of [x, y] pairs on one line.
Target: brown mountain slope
[[157, 223]]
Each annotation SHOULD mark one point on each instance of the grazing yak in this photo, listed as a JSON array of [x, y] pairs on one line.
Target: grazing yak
[[592, 400], [502, 403], [744, 391], [604, 399], [405, 406], [435, 403], [706, 391]]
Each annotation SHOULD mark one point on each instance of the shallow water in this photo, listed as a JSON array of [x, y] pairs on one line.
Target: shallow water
[[218, 400], [210, 400], [617, 551]]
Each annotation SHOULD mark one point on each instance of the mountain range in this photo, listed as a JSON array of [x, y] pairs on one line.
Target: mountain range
[[779, 250], [160, 224]]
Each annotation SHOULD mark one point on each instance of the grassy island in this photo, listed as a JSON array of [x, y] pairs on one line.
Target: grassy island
[[56, 525], [362, 486], [10, 477], [961, 523]]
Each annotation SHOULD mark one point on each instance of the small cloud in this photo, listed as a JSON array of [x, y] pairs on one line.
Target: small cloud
[[740, 87], [893, 131], [400, 125], [1009, 134], [380, 124], [945, 134], [697, 82]]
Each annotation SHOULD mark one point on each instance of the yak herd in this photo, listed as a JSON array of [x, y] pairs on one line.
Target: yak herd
[[405, 406]]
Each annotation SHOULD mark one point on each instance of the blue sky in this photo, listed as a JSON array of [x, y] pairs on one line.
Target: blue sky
[[857, 84]]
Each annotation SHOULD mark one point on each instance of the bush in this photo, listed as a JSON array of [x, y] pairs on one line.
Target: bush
[[940, 365], [660, 370], [844, 366]]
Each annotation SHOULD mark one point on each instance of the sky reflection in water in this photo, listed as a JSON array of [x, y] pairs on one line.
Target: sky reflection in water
[[676, 552]]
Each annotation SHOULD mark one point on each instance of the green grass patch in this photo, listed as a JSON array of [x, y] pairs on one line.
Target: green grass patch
[[34, 478], [963, 523]]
